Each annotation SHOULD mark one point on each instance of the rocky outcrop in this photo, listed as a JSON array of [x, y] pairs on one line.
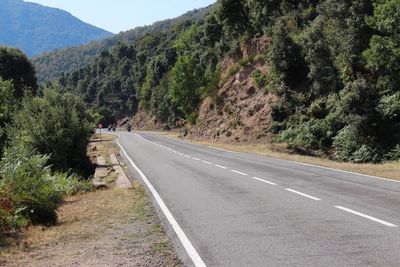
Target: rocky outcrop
[[241, 111]]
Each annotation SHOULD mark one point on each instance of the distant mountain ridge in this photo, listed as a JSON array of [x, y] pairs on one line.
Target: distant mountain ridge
[[51, 65], [36, 29]]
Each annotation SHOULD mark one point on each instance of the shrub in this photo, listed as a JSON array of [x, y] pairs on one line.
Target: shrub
[[318, 109], [394, 154], [275, 84], [30, 192], [311, 134], [346, 144], [366, 154], [192, 118], [55, 125], [71, 184], [234, 70], [259, 79], [278, 113]]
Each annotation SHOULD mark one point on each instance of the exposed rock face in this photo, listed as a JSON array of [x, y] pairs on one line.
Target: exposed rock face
[[255, 46], [241, 111], [145, 121]]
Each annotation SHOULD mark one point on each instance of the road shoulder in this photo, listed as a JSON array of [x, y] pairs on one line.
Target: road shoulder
[[110, 227]]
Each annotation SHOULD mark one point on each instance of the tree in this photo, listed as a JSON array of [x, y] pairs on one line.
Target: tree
[[233, 15], [15, 66], [185, 81], [8, 105], [285, 57], [55, 125], [383, 55], [347, 33], [322, 74]]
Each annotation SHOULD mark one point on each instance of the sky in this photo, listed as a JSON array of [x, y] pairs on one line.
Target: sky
[[122, 15]]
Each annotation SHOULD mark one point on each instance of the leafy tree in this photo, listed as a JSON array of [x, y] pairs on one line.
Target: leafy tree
[[383, 55], [8, 106], [15, 66], [233, 15], [323, 74], [186, 78], [285, 57], [55, 125], [347, 33]]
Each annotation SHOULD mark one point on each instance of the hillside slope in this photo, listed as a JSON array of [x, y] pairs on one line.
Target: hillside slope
[[35, 28], [51, 65], [331, 65]]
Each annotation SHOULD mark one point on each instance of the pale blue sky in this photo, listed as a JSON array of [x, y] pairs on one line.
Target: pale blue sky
[[122, 15]]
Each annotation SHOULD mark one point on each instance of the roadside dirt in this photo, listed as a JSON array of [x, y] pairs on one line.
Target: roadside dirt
[[114, 227]]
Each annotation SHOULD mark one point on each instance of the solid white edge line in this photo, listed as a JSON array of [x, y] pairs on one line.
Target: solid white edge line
[[241, 173], [302, 194], [264, 181], [220, 166], [366, 216], [291, 161], [197, 261]]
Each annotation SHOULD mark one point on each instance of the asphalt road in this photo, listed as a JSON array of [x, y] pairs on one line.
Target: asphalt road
[[238, 209]]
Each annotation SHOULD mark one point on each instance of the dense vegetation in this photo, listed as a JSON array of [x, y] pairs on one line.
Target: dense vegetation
[[36, 29], [334, 65], [43, 141], [51, 65]]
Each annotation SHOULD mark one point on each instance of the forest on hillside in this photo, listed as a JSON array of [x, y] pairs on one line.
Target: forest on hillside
[[333, 65], [50, 65]]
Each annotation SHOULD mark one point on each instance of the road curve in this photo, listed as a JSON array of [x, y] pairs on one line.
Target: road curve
[[239, 209]]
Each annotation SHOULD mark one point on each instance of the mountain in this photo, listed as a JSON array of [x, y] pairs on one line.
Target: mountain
[[35, 28], [51, 65]]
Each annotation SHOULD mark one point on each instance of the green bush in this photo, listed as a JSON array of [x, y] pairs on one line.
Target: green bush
[[71, 184], [55, 125], [234, 70], [192, 118], [30, 192], [259, 79], [318, 109], [366, 154], [346, 144], [394, 154], [312, 134], [278, 113]]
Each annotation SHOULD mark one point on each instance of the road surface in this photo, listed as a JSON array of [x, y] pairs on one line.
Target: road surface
[[237, 209]]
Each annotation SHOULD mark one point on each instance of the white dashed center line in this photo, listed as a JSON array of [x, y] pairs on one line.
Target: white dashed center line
[[220, 166], [264, 181], [271, 183], [366, 216], [302, 194], [241, 173]]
